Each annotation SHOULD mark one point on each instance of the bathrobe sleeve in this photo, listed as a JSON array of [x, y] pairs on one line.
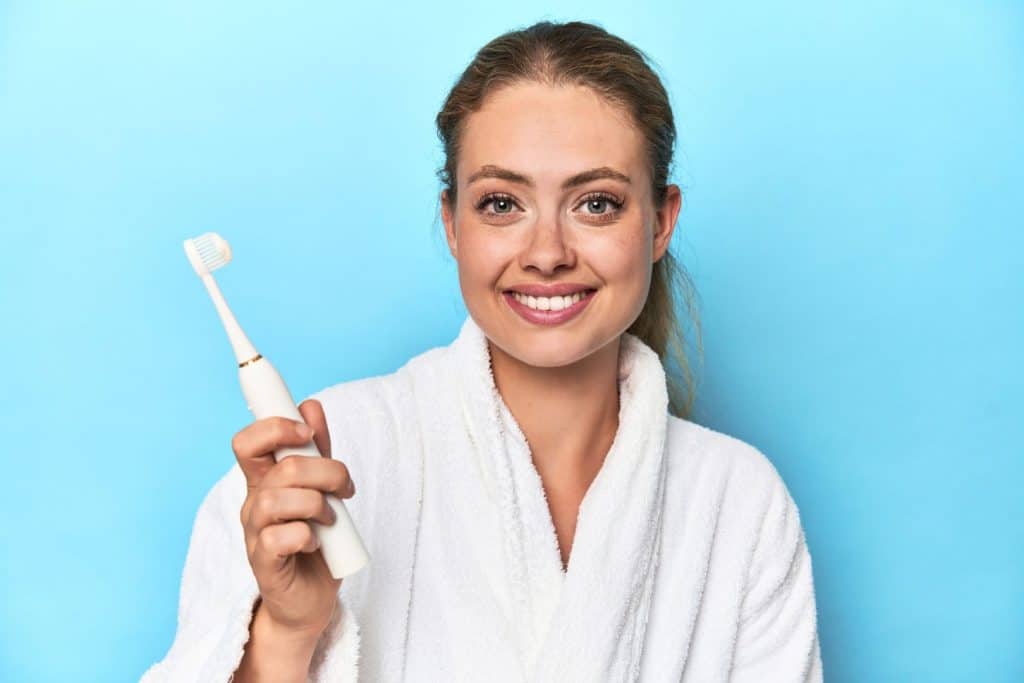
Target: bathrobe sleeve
[[217, 598], [778, 635]]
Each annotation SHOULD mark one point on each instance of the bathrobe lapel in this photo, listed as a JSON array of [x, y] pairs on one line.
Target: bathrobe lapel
[[588, 624]]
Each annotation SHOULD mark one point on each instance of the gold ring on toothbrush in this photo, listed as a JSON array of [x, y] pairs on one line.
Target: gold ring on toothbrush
[[251, 360]]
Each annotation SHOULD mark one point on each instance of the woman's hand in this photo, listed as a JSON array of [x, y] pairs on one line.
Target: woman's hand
[[296, 588]]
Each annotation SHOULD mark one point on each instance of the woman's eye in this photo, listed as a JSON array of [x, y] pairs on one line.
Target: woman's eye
[[601, 205], [502, 204]]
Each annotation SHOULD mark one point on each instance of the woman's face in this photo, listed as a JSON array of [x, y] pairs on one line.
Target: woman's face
[[554, 189]]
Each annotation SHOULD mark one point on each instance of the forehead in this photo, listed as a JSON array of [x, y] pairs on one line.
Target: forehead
[[549, 133]]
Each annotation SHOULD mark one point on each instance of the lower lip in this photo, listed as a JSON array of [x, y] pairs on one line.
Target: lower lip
[[548, 317]]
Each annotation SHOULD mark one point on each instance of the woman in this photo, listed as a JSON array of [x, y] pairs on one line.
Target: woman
[[535, 505]]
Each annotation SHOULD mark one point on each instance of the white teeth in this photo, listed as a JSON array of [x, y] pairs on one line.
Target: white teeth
[[544, 303]]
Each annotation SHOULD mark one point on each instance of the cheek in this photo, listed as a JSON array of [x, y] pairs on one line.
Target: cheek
[[623, 259], [482, 257]]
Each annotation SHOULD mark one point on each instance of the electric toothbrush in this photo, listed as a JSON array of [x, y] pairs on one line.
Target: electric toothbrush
[[267, 395]]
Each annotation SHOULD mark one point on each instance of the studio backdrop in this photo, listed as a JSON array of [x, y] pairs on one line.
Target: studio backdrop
[[852, 224]]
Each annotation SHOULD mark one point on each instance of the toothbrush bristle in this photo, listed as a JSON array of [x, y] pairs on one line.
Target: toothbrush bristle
[[213, 250]]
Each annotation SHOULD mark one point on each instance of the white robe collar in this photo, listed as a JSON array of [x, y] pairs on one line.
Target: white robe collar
[[588, 624]]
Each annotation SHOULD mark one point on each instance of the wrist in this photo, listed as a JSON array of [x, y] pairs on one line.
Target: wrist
[[276, 653]]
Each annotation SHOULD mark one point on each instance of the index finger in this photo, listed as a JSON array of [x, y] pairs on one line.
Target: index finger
[[313, 414], [254, 446]]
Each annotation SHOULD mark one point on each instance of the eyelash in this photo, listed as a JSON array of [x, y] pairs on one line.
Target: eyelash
[[594, 196]]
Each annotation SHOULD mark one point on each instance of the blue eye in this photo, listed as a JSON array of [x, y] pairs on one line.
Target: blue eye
[[499, 200], [601, 200]]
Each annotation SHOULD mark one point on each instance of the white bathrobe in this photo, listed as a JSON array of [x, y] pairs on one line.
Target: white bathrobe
[[689, 561]]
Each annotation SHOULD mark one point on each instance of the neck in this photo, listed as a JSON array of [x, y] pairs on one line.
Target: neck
[[569, 415]]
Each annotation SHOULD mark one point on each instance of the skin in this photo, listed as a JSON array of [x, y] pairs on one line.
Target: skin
[[559, 382], [297, 591]]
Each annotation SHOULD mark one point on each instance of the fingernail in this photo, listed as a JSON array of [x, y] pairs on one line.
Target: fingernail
[[304, 431]]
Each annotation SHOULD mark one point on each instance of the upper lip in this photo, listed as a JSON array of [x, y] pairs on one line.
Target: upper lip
[[559, 289]]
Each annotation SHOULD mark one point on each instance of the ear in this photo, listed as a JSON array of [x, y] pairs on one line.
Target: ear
[[448, 217], [665, 221]]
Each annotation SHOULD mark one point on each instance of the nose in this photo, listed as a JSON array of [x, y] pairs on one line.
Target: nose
[[546, 249]]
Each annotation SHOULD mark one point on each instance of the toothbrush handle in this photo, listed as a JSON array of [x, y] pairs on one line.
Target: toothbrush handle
[[267, 395]]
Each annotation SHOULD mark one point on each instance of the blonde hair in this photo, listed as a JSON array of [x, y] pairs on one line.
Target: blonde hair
[[580, 53]]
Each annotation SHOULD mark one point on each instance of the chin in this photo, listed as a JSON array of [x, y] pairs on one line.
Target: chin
[[554, 352], [556, 359], [535, 345]]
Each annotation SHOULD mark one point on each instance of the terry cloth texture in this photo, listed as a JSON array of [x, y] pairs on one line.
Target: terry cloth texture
[[689, 561]]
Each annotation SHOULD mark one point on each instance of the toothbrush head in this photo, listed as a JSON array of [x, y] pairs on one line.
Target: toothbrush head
[[207, 253]]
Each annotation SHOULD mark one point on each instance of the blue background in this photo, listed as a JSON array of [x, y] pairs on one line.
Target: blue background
[[852, 221]]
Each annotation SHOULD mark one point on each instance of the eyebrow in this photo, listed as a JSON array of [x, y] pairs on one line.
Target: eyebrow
[[492, 171]]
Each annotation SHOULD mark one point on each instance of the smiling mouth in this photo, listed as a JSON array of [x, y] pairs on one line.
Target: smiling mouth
[[551, 303]]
